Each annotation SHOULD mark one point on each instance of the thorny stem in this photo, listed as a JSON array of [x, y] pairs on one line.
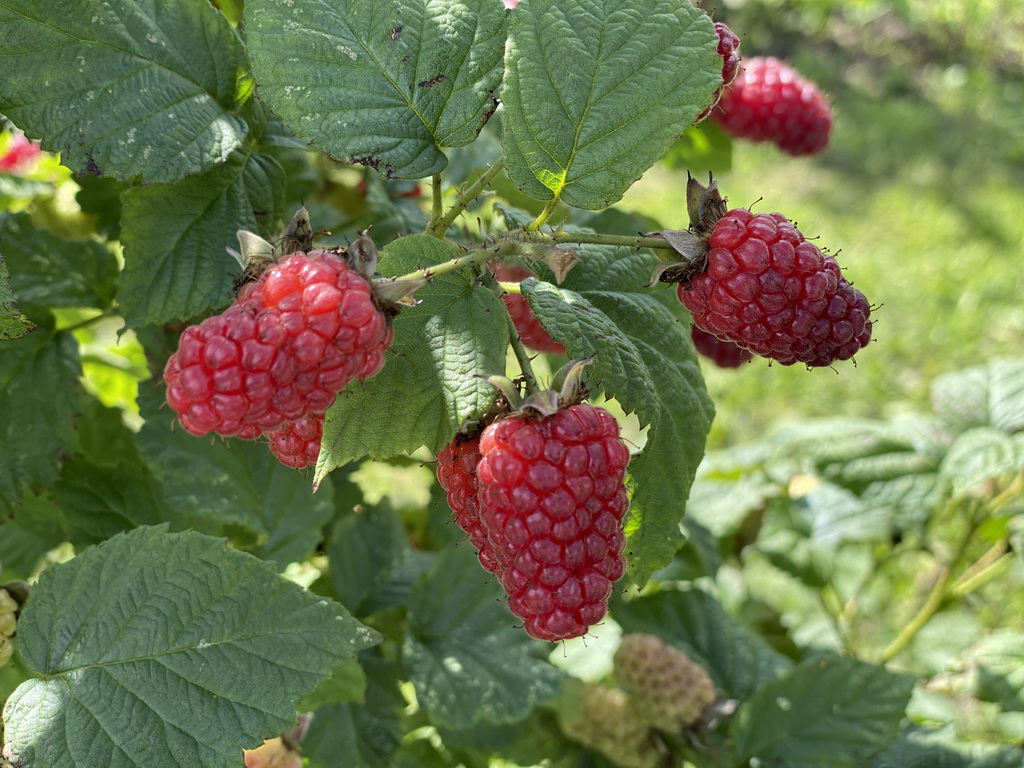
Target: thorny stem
[[453, 265], [435, 188], [523, 358], [440, 224], [597, 238]]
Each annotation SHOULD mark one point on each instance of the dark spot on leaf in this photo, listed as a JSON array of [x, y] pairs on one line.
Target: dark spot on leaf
[[396, 33], [373, 162], [432, 81], [405, 60], [91, 167]]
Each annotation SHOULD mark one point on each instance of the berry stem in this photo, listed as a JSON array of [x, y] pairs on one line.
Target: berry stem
[[523, 358], [440, 223], [516, 288], [436, 204]]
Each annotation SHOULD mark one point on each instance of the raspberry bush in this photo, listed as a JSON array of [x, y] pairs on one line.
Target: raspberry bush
[[271, 268]]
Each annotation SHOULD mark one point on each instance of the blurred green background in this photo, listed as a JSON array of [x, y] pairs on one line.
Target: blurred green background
[[921, 193]]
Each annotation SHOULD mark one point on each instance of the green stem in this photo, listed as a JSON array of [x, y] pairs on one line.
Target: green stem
[[597, 238], [833, 606], [985, 569], [453, 265], [543, 216], [440, 224], [435, 188], [523, 358], [934, 602], [88, 321]]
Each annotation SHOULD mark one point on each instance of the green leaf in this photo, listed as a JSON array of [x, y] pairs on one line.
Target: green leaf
[[51, 271], [464, 654], [999, 660], [836, 515], [738, 661], [175, 237], [385, 83], [827, 711], [233, 483], [703, 148], [991, 395], [918, 747], [372, 564], [26, 538], [38, 398], [432, 381], [346, 683], [99, 501], [596, 91], [366, 734], [643, 357], [164, 649], [979, 455], [123, 88], [100, 197], [13, 324]]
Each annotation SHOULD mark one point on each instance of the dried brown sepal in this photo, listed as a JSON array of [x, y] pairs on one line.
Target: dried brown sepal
[[704, 204], [298, 235], [561, 260], [361, 255]]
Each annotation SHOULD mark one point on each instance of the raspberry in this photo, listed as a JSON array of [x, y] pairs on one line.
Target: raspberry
[[728, 49], [456, 471], [770, 101], [772, 292], [20, 153], [552, 500], [609, 723], [530, 330], [297, 444], [671, 691], [724, 354], [8, 624], [284, 349]]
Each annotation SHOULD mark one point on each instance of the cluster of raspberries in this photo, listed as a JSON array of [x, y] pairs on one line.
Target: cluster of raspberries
[[273, 362], [542, 499], [659, 687], [770, 291]]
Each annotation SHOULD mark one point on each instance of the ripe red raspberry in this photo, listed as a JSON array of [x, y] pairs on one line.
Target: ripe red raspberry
[[456, 471], [770, 291], [728, 49], [20, 153], [530, 330], [284, 349], [297, 444], [552, 500], [724, 354], [770, 101]]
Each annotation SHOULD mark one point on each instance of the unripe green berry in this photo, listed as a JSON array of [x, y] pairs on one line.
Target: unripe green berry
[[610, 723], [669, 689]]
